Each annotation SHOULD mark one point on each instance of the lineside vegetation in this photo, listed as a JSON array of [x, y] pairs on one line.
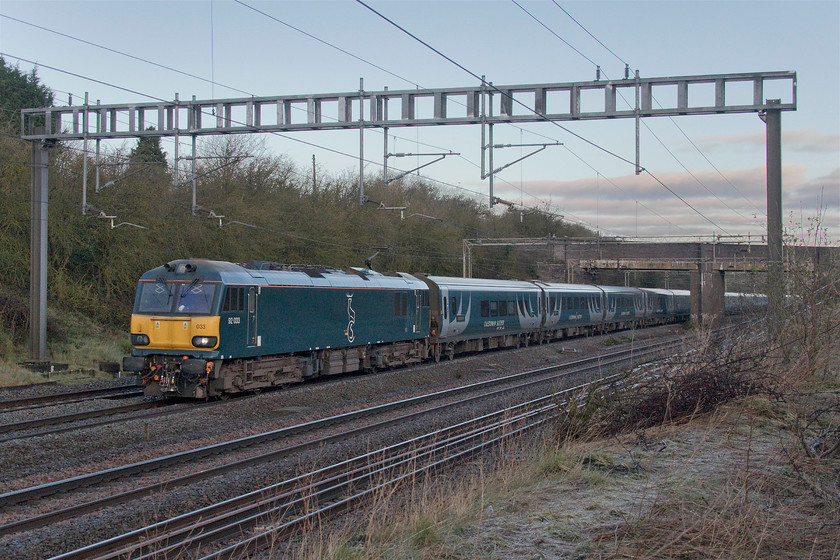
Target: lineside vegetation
[[731, 451]]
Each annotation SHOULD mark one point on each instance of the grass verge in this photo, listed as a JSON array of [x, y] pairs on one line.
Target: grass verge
[[712, 459]]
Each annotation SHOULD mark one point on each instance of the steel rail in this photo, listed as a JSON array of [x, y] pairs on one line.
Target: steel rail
[[169, 408], [99, 477], [74, 511], [227, 519], [70, 397], [535, 416], [67, 418]]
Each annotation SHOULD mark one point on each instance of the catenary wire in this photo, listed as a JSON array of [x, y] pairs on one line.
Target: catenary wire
[[671, 118], [365, 61], [474, 75], [541, 23], [311, 144], [121, 53], [213, 82], [649, 130]]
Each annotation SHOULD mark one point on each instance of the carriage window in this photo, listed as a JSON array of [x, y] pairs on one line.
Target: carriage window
[[404, 304], [485, 308], [494, 308], [396, 305], [503, 308], [454, 305]]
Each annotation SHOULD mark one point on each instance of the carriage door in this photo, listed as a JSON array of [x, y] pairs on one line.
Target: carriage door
[[252, 317]]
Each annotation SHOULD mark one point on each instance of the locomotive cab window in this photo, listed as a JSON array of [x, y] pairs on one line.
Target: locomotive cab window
[[234, 299], [155, 298], [170, 297], [196, 298]]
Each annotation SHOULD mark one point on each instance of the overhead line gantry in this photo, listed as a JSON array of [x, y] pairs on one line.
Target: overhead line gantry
[[530, 103]]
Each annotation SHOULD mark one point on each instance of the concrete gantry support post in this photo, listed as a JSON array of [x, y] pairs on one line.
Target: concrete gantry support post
[[707, 289], [38, 248], [775, 281]]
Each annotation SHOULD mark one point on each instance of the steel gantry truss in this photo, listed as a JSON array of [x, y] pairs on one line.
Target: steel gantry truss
[[389, 108], [332, 111]]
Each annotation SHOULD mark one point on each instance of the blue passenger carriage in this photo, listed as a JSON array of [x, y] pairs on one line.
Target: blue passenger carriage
[[624, 307], [472, 314], [666, 306], [571, 309]]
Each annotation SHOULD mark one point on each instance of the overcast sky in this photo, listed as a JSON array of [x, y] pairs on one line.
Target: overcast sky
[[715, 163]]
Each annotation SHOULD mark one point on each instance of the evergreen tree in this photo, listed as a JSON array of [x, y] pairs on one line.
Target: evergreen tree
[[19, 91], [148, 150]]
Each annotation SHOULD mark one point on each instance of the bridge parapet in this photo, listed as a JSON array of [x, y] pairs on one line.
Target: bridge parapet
[[726, 265]]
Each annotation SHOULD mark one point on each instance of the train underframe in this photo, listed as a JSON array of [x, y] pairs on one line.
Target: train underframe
[[175, 376]]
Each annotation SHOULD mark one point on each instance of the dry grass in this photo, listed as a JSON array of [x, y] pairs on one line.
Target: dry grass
[[722, 473], [81, 347]]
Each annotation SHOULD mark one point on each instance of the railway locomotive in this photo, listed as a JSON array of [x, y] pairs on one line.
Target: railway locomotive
[[207, 329]]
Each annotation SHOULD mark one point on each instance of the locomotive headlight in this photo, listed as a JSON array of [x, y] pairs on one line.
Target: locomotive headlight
[[139, 340], [204, 341]]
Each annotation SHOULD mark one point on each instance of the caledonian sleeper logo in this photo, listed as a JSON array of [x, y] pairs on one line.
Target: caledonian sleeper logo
[[351, 319]]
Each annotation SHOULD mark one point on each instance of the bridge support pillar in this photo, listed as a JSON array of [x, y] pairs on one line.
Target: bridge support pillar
[[707, 289]]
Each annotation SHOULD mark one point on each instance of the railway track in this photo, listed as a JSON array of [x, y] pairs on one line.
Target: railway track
[[353, 423], [25, 429], [276, 512], [123, 392]]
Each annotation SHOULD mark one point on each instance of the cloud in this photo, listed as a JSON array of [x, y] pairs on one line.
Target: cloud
[[733, 202], [800, 140]]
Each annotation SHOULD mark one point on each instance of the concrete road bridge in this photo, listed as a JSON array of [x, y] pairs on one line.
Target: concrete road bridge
[[706, 260]]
